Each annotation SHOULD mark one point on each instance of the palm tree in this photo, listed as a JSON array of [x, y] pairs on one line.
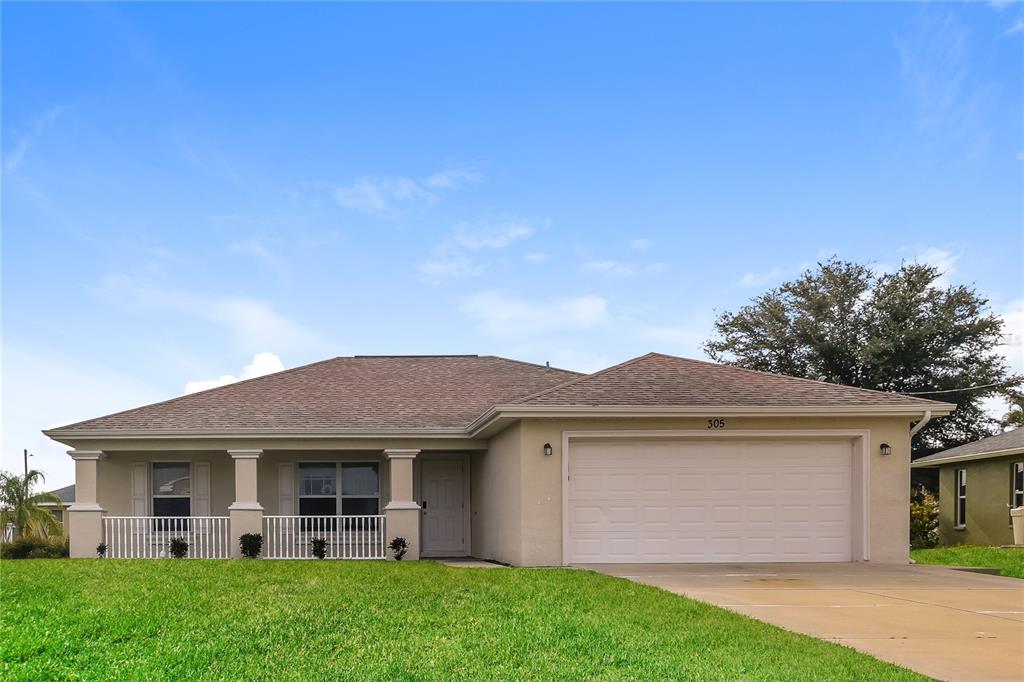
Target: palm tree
[[19, 506], [1015, 417]]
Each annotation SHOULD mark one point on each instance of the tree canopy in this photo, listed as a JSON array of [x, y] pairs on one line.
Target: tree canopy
[[901, 331]]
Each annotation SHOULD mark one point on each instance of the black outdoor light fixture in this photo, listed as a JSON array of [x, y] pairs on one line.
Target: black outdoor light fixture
[[885, 449], [547, 449]]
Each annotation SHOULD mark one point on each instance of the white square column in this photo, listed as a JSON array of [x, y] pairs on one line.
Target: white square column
[[402, 514], [85, 515], [246, 513]]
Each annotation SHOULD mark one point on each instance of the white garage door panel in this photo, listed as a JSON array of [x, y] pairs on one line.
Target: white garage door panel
[[709, 501]]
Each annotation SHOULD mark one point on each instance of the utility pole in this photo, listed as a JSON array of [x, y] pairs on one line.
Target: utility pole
[[25, 452]]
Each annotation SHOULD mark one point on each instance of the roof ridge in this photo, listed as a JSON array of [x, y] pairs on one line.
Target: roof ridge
[[578, 379], [790, 376], [531, 364], [195, 393]]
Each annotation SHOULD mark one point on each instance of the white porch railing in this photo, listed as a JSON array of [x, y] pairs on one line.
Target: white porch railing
[[347, 537], [149, 537]]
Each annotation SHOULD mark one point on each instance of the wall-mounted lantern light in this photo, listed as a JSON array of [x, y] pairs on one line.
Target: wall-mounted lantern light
[[885, 449], [547, 449]]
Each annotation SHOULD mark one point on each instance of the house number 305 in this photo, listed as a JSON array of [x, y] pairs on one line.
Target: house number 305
[[716, 423]]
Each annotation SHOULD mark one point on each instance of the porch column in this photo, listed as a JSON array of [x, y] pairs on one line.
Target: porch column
[[402, 514], [85, 515], [246, 512]]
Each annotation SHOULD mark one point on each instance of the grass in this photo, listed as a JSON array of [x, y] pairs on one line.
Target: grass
[[1009, 561], [170, 619]]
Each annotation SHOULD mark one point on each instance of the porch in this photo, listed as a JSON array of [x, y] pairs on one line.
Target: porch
[[347, 504]]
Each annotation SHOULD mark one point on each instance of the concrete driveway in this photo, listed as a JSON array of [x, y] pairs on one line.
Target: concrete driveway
[[948, 624]]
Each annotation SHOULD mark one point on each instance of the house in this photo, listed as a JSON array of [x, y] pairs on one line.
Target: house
[[658, 459], [978, 484], [66, 495]]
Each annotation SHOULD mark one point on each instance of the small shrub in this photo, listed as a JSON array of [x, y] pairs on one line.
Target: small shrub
[[319, 547], [399, 547], [251, 545], [101, 550], [179, 548], [924, 519], [34, 548]]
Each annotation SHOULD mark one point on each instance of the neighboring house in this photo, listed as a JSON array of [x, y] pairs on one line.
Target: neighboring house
[[67, 497], [659, 459], [978, 484]]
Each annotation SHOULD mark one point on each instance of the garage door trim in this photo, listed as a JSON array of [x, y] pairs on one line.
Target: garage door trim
[[860, 468]]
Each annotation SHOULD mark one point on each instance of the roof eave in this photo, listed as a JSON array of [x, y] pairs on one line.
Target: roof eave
[[216, 434], [484, 425], [991, 454]]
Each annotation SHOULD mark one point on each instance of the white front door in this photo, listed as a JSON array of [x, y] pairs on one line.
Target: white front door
[[709, 501], [443, 507]]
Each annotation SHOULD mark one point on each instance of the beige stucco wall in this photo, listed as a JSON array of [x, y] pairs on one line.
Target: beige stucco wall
[[988, 494], [497, 498], [541, 481], [114, 485]]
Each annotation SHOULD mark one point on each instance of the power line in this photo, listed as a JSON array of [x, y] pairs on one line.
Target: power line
[[960, 390]]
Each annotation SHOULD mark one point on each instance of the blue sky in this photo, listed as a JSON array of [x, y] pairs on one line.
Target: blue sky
[[193, 190]]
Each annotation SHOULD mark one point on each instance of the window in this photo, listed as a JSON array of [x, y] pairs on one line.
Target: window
[[172, 489], [960, 511], [360, 489], [1016, 485], [327, 489]]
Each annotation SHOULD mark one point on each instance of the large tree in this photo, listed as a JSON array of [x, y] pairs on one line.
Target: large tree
[[900, 331]]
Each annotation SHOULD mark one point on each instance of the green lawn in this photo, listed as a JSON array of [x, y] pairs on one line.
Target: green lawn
[[176, 619], [1010, 561]]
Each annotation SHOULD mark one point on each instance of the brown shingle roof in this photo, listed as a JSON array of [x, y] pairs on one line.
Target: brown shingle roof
[[362, 392], [376, 393], [1005, 443], [665, 380]]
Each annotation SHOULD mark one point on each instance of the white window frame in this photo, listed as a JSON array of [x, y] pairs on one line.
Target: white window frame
[[153, 494], [1016, 493], [959, 496], [339, 496]]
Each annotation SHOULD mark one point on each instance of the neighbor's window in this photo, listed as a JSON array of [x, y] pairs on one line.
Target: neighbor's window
[[960, 511], [326, 489], [1017, 485], [172, 489]]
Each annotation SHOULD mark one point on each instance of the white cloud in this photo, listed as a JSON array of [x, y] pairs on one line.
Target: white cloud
[[262, 364], [1013, 335], [452, 257], [1012, 349], [42, 122], [608, 267], [254, 322], [487, 235], [452, 179], [1016, 27], [442, 266], [941, 259], [754, 279], [537, 257], [641, 244], [506, 315], [384, 197], [620, 269]]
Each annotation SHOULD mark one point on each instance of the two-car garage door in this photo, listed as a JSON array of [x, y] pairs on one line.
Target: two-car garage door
[[708, 500]]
